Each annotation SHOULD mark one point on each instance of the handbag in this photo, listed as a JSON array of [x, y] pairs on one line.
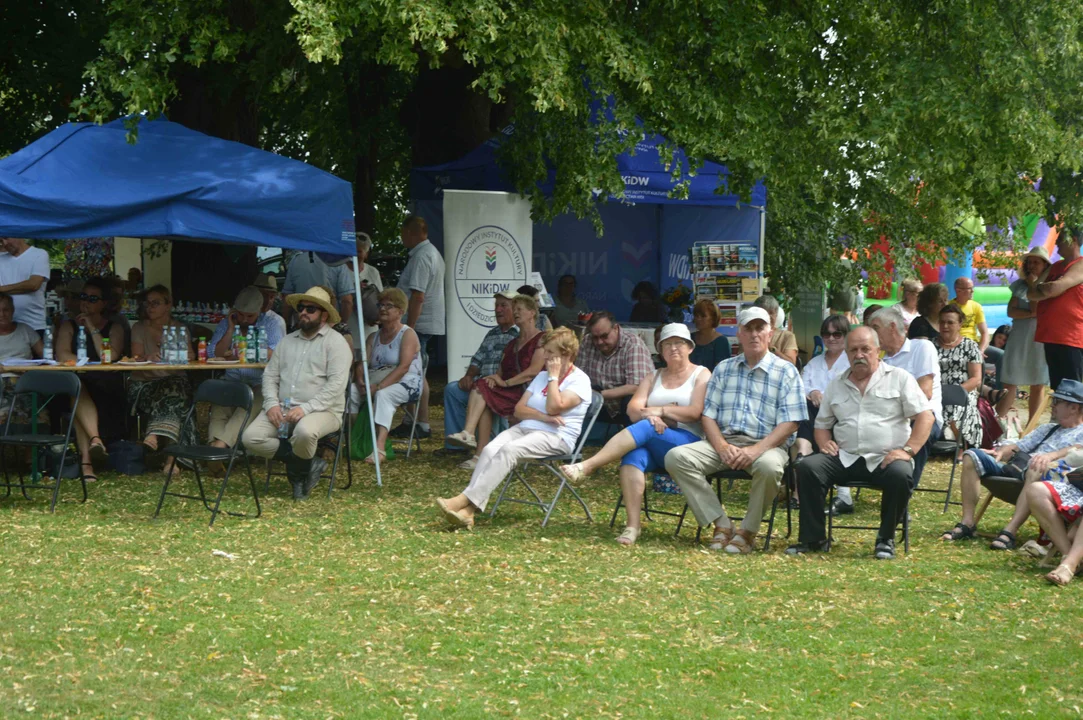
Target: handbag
[[1017, 466]]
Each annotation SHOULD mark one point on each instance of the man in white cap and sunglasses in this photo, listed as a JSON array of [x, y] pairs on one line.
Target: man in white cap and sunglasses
[[304, 386], [750, 414]]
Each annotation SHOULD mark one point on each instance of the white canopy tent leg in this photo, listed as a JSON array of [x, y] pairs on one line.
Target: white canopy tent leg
[[365, 368]]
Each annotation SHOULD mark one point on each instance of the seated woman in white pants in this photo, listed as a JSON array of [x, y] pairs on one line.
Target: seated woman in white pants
[[394, 365], [551, 415], [667, 407]]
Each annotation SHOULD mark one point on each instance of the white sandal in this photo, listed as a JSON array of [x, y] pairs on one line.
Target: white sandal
[[574, 472], [371, 460], [629, 536]]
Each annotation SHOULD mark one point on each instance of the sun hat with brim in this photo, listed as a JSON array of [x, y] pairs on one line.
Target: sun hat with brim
[[266, 282], [1070, 390], [249, 300], [317, 296], [753, 313], [1038, 252], [675, 330]]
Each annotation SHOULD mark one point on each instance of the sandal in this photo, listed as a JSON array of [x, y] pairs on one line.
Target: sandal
[[959, 532], [91, 477], [371, 461], [151, 445], [1061, 575], [743, 543], [574, 473], [629, 536], [1004, 541], [721, 539], [455, 518], [98, 453]]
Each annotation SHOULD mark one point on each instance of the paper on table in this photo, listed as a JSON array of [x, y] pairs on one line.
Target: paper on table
[[16, 362]]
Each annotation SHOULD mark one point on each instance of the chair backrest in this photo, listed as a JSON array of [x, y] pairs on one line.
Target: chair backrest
[[225, 393], [48, 382], [953, 395], [596, 405]]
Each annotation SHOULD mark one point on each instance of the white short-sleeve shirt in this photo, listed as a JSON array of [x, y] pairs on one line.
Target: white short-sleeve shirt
[[817, 376], [29, 307], [919, 358], [576, 381]]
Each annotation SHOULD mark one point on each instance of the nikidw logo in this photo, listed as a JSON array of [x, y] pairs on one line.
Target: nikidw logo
[[489, 261]]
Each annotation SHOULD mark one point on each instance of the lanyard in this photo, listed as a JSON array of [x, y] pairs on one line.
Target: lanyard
[[545, 390]]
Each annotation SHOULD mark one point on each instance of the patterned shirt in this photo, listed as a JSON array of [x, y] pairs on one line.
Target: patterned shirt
[[491, 351], [628, 365], [753, 401], [1041, 441], [270, 325]]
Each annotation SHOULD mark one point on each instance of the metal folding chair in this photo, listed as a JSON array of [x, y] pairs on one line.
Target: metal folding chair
[[904, 520], [341, 438], [224, 393], [950, 396], [550, 463], [51, 384]]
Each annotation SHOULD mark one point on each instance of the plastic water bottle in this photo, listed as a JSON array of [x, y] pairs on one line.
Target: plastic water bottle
[[284, 427], [261, 343], [169, 342], [48, 353], [80, 345], [250, 345], [182, 346]]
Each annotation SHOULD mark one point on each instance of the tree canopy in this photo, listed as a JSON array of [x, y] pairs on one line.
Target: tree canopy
[[894, 119]]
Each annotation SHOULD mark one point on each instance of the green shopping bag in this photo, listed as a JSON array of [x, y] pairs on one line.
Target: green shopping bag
[[361, 437]]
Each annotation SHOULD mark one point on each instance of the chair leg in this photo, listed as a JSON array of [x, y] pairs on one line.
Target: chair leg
[[267, 485], [771, 524], [56, 480], [161, 497], [616, 509], [680, 521], [252, 484], [951, 482]]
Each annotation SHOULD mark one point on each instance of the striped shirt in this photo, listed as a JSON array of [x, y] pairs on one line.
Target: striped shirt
[[753, 401]]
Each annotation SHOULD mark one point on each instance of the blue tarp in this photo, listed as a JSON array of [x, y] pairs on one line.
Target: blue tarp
[[647, 234], [86, 180]]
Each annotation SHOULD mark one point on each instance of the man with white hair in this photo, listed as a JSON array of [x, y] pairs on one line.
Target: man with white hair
[[918, 357], [871, 418], [370, 277]]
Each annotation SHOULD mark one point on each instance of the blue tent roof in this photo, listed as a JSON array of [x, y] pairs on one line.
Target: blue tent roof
[[646, 179], [86, 180]]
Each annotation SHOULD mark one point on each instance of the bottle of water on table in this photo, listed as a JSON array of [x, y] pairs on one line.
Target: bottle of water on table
[[250, 345], [48, 352], [80, 345], [261, 344], [284, 426]]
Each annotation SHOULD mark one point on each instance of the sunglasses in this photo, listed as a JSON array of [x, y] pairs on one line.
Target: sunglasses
[[90, 298], [835, 334], [306, 308]]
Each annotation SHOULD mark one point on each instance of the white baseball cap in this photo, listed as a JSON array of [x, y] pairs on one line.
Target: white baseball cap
[[753, 313], [679, 330]]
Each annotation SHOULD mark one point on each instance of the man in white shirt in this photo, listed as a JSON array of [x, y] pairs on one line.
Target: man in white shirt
[[23, 272], [369, 276], [919, 358], [864, 434]]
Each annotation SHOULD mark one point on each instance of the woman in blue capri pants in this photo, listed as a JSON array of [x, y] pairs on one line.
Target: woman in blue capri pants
[[666, 409]]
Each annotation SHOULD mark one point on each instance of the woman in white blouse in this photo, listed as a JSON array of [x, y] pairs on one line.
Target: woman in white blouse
[[819, 373], [667, 406]]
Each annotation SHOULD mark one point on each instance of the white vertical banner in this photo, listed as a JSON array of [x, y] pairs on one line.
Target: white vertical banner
[[488, 243]]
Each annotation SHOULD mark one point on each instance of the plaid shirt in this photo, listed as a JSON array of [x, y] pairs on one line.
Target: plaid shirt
[[753, 401], [270, 325], [491, 351], [628, 365]]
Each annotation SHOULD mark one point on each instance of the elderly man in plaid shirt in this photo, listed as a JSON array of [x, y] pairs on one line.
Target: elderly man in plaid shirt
[[486, 361], [754, 402], [616, 363]]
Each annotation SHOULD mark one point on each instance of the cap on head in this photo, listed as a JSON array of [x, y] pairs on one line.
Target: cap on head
[[1070, 390], [753, 313], [675, 330], [249, 300], [506, 294]]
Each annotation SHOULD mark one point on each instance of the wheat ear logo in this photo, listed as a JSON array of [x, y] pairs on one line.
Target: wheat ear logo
[[490, 258]]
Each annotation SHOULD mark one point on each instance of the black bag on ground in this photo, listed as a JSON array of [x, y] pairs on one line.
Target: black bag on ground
[[71, 463], [126, 457]]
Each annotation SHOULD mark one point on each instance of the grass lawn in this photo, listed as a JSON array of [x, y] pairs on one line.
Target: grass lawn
[[365, 606]]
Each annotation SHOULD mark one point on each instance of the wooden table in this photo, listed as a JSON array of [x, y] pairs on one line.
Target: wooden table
[[117, 367]]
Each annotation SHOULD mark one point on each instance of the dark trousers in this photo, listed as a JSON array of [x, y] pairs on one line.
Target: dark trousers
[[621, 418], [1064, 361], [922, 455], [818, 473]]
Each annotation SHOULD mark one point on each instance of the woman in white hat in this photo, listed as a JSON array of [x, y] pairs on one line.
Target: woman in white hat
[[666, 407], [1024, 359]]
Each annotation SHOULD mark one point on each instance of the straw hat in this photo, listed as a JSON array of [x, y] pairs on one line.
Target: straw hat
[[317, 296], [266, 282], [1039, 252]]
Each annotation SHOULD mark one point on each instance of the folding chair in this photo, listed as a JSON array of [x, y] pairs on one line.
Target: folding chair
[[224, 393], [905, 520], [50, 384], [647, 490], [1000, 487], [407, 413], [951, 396], [550, 463], [342, 438]]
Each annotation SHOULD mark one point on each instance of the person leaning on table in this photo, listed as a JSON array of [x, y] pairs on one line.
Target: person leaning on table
[[310, 368], [753, 405], [864, 435]]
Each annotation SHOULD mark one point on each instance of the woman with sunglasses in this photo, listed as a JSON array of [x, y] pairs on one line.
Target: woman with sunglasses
[[394, 354], [161, 397], [104, 390], [909, 288], [819, 373]]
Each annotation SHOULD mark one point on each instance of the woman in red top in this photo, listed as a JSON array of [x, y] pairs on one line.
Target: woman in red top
[[1060, 315], [498, 394]]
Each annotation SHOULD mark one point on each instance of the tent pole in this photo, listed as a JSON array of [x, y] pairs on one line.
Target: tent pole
[[365, 366]]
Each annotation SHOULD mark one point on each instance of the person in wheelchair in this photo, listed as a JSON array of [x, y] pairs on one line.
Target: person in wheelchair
[[864, 433], [550, 414], [395, 373]]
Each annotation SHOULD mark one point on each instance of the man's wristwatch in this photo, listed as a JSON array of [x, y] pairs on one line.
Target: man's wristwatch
[[908, 450]]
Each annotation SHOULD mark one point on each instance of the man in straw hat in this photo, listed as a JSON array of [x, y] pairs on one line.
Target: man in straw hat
[[268, 287], [225, 423], [304, 385]]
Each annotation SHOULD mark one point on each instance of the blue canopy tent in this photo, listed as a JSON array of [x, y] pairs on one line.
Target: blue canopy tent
[[647, 234], [87, 180]]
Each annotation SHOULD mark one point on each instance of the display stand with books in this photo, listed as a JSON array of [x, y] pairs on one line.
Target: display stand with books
[[728, 273]]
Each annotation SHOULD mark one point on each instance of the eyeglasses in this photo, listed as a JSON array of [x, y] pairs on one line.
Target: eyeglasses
[[90, 298], [156, 303], [603, 335], [835, 335], [305, 308], [385, 306]]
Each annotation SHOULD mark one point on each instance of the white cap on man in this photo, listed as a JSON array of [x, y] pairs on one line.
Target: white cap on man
[[753, 313]]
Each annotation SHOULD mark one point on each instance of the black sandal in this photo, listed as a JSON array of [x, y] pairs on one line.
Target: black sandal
[[98, 453], [91, 477], [959, 532], [1004, 541]]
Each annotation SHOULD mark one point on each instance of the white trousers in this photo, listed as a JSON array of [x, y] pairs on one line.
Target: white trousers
[[502, 455]]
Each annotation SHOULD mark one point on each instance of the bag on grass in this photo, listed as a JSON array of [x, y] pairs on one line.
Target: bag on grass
[[361, 437]]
